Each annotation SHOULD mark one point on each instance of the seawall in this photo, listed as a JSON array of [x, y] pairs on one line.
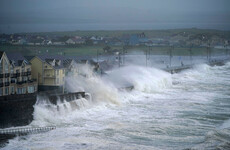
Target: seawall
[[17, 110]]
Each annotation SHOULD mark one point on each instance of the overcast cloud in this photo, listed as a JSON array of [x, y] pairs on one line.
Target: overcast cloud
[[50, 15]]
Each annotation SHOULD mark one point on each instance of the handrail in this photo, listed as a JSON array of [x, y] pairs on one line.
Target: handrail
[[27, 130]]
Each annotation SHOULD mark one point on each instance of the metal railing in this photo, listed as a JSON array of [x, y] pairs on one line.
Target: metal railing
[[28, 130], [49, 76]]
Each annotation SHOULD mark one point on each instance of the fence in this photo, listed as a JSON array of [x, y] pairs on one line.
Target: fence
[[23, 131]]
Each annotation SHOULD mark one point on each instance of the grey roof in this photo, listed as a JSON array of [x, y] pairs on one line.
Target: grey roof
[[67, 62], [65, 58], [48, 58], [29, 57], [17, 58]]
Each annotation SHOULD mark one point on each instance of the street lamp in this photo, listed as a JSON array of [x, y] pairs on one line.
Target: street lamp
[[190, 53], [170, 55]]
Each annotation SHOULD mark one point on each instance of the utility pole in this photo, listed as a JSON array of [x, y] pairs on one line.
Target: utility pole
[[124, 52], [170, 55], [146, 59], [208, 53], [147, 52], [226, 50], [119, 59], [150, 49], [97, 55], [190, 53]]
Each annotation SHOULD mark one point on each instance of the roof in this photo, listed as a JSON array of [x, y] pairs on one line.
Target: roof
[[49, 58], [17, 58], [29, 57], [65, 60]]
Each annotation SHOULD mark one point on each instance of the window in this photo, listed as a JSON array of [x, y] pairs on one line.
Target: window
[[11, 70], [19, 91], [7, 80], [57, 72], [1, 91], [24, 79], [57, 80], [24, 90], [12, 90], [7, 91], [30, 89], [13, 80], [23, 69]]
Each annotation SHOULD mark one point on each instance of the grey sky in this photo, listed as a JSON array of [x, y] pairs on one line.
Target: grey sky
[[190, 13]]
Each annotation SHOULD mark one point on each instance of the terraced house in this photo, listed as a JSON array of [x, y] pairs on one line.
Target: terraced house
[[49, 72], [15, 75]]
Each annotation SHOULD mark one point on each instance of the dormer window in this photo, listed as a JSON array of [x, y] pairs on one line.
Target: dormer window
[[23, 65], [59, 62], [53, 63], [11, 69]]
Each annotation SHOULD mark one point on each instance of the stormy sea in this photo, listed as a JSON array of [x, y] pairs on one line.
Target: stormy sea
[[185, 110]]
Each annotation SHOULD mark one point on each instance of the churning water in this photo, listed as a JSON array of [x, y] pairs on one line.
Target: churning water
[[188, 110]]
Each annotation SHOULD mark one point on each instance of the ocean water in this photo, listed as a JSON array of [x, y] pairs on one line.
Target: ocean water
[[188, 110]]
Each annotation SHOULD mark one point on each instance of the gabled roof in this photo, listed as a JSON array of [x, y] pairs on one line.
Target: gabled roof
[[65, 60], [50, 58], [29, 57], [17, 59]]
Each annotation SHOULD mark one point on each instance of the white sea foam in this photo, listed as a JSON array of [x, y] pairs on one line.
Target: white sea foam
[[156, 114], [225, 125], [143, 79]]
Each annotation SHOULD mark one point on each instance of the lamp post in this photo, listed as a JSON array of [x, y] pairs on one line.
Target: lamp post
[[170, 55], [190, 53], [147, 53], [97, 55], [208, 53]]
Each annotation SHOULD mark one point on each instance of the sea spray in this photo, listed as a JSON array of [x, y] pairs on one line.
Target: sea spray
[[144, 79], [198, 72], [46, 114], [100, 90], [184, 116]]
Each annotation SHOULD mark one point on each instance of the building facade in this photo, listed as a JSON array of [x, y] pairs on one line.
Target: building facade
[[15, 75], [49, 72]]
